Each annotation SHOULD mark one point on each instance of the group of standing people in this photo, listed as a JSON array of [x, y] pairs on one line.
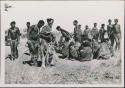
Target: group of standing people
[[39, 37], [78, 45], [90, 43], [113, 32]]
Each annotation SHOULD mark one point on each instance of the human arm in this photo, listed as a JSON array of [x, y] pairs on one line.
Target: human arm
[[120, 31], [18, 35]]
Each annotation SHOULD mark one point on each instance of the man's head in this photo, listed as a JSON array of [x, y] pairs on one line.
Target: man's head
[[58, 28], [116, 21], [109, 21], [67, 39], [75, 22], [95, 24], [102, 25], [40, 23], [79, 26], [12, 24], [50, 21], [86, 27], [28, 24]]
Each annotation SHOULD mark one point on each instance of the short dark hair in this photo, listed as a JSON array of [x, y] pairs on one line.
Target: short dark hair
[[58, 27], [95, 23], [13, 22], [103, 25], [71, 44], [109, 20], [79, 25], [86, 25], [67, 39], [75, 21], [28, 23], [41, 22], [116, 19], [49, 19]]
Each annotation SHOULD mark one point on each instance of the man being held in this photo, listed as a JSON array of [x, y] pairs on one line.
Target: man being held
[[14, 35]]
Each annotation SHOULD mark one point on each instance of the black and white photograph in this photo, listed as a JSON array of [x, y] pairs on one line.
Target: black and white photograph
[[62, 42]]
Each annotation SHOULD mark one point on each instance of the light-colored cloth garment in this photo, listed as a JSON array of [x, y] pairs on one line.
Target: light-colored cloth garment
[[46, 29], [65, 49], [78, 33], [105, 51], [87, 33], [86, 54], [74, 50]]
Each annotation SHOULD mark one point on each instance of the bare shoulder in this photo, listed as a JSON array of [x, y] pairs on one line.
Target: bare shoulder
[[9, 30]]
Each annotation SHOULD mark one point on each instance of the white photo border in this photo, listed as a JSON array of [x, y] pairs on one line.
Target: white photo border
[[2, 83]]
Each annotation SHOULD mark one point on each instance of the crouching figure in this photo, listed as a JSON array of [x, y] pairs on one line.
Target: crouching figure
[[105, 50], [85, 51]]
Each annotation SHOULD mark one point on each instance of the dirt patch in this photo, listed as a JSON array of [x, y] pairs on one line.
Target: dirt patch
[[64, 72]]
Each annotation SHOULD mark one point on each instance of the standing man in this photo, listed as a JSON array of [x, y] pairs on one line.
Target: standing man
[[110, 32], [14, 35], [28, 29], [87, 33], [79, 33], [94, 32], [117, 34], [33, 42], [102, 32], [75, 23]]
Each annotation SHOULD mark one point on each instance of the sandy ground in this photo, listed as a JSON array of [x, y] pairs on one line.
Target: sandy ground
[[64, 71]]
